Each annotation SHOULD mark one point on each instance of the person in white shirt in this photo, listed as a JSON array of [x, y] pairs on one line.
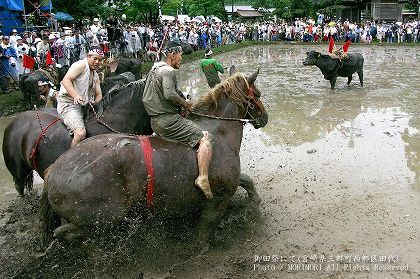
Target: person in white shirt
[[95, 26], [21, 49], [59, 50], [13, 38], [42, 48]]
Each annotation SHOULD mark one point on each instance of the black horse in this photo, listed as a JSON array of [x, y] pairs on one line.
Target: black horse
[[28, 84], [26, 149], [106, 178], [35, 139]]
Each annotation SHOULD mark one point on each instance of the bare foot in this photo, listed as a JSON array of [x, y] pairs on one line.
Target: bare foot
[[204, 185]]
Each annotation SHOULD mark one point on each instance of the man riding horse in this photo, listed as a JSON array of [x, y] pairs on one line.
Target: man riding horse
[[79, 87], [163, 101]]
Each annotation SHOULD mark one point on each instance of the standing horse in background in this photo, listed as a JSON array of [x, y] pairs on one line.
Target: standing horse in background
[[102, 180], [34, 140], [28, 84]]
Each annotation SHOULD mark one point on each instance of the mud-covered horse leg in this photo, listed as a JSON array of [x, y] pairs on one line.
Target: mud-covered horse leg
[[333, 80], [349, 79], [210, 217], [248, 185], [23, 178], [360, 74]]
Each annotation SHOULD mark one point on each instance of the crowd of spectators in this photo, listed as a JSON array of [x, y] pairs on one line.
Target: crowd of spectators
[[138, 40]]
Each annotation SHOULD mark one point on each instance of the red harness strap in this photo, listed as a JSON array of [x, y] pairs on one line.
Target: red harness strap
[[35, 148], [147, 152]]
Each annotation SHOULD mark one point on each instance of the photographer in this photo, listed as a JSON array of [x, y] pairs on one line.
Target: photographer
[[111, 24], [79, 45]]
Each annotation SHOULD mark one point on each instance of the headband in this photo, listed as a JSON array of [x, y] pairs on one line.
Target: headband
[[96, 51], [175, 49], [44, 82]]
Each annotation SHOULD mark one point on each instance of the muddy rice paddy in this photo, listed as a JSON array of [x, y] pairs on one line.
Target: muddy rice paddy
[[338, 173]]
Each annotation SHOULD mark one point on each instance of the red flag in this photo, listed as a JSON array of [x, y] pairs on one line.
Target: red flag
[[28, 62], [346, 46], [49, 60], [332, 44]]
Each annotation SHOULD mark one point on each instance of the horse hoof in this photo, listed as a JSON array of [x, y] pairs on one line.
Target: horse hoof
[[255, 200], [20, 189]]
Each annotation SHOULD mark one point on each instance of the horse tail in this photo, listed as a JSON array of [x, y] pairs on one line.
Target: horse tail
[[49, 219]]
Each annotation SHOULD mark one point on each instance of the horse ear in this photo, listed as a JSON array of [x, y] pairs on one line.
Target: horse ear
[[232, 70], [253, 77]]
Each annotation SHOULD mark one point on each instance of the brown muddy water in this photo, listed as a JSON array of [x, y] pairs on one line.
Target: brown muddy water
[[338, 173]]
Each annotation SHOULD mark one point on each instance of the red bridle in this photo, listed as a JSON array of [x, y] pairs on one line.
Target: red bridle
[[254, 101]]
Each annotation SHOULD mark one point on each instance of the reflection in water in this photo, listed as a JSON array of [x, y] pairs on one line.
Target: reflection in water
[[411, 137], [302, 108]]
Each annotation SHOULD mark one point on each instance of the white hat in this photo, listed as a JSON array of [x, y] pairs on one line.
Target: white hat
[[14, 31], [18, 38], [96, 19], [208, 52], [51, 37], [66, 28]]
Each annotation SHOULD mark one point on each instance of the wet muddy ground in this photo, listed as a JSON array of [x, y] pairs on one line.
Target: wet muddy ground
[[338, 173]]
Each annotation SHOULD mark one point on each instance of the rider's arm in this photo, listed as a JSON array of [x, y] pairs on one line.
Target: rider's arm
[[75, 70], [219, 67], [170, 91]]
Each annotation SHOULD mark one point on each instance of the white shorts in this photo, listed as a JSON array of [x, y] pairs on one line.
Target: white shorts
[[72, 115]]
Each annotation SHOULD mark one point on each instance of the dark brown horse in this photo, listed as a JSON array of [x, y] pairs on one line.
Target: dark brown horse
[[122, 110], [28, 84], [102, 180]]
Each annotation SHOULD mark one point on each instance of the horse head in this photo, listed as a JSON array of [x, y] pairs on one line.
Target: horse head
[[236, 98], [255, 109]]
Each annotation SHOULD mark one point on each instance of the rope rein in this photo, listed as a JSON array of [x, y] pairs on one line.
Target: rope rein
[[250, 95], [39, 121], [244, 121], [97, 118]]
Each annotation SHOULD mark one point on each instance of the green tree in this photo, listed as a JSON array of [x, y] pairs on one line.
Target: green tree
[[205, 8], [143, 10], [82, 8], [173, 7], [291, 9]]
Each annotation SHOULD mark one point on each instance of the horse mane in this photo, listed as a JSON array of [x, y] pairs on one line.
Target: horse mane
[[230, 88], [107, 99]]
